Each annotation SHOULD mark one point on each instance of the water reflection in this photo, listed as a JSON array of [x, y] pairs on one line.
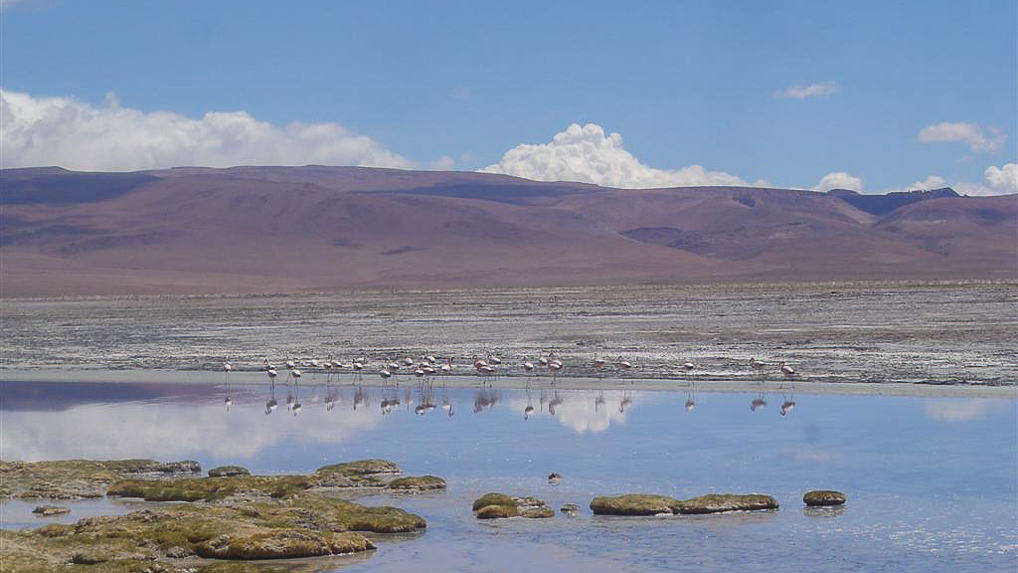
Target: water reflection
[[757, 403], [485, 400], [923, 483]]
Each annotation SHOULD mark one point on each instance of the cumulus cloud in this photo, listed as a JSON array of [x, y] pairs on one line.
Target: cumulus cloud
[[811, 90], [972, 134], [1003, 179], [839, 180], [587, 154], [72, 134], [931, 182]]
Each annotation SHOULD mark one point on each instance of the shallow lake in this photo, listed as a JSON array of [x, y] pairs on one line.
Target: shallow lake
[[932, 482]]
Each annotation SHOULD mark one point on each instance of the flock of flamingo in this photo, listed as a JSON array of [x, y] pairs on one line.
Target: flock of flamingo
[[428, 366]]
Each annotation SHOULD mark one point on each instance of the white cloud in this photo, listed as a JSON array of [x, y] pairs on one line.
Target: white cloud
[[969, 133], [931, 182], [812, 90], [65, 132], [1003, 179], [586, 154], [839, 180]]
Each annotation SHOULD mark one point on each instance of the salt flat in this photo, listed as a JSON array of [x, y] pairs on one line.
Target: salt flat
[[932, 333]]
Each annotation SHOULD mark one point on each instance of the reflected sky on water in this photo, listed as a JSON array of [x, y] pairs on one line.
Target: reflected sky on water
[[929, 480]]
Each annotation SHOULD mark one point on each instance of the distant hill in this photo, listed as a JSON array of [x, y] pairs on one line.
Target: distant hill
[[288, 229], [883, 204]]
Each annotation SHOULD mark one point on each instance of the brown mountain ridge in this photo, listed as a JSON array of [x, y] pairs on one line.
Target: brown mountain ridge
[[289, 229]]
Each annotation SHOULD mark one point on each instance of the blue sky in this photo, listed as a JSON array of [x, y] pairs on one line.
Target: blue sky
[[458, 84]]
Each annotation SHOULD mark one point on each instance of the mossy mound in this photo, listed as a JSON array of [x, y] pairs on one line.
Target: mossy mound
[[357, 474], [496, 512], [722, 502], [370, 473], [283, 544], [50, 510], [493, 499], [498, 505], [416, 484], [229, 471], [645, 504], [634, 504], [824, 497], [79, 479], [211, 489], [301, 526]]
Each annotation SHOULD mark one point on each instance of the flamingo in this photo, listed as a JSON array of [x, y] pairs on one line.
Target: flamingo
[[555, 366], [689, 366], [272, 373], [495, 360], [295, 373], [384, 373], [756, 364], [408, 361], [290, 365], [787, 370], [623, 364], [528, 366], [431, 359], [227, 367], [599, 362]]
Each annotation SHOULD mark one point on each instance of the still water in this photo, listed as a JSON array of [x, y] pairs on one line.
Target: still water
[[932, 482]]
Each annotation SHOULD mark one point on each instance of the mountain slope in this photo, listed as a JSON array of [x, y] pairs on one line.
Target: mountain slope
[[282, 229]]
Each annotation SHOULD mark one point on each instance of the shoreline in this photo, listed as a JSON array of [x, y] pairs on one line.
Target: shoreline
[[256, 378]]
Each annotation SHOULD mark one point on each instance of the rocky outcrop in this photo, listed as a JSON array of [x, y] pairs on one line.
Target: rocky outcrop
[[824, 497], [229, 471], [647, 504]]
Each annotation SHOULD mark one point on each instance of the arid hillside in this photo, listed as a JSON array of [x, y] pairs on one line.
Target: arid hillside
[[288, 229]]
